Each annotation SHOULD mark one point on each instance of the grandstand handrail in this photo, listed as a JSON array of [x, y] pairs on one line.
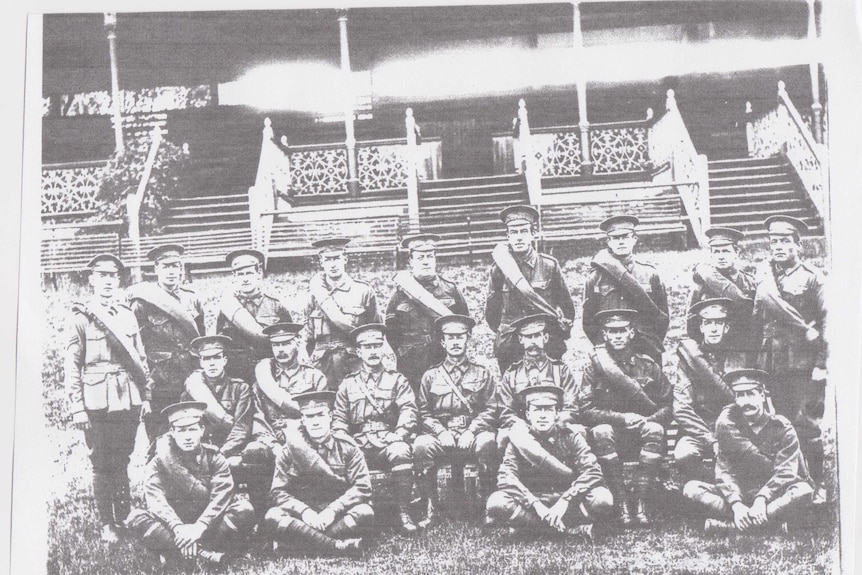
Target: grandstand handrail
[[646, 122], [75, 164]]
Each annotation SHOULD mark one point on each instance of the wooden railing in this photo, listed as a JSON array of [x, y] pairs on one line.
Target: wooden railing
[[783, 131], [69, 189], [670, 142]]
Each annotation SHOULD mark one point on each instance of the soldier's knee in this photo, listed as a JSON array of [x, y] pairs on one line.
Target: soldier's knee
[[800, 491], [500, 505], [257, 453], [603, 432], [486, 445], [139, 521], [362, 514], [652, 431], [599, 501], [685, 451], [694, 490], [399, 452], [424, 447], [578, 429], [502, 439]]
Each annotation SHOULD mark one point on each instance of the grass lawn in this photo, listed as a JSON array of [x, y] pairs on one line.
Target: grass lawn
[[673, 545]]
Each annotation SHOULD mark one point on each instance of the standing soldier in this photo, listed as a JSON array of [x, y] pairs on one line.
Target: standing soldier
[[282, 376], [722, 278], [453, 398], [229, 418], [376, 406], [420, 297], [170, 316], [107, 383], [565, 498], [244, 311], [324, 500], [627, 402], [791, 315], [700, 392], [337, 304], [525, 282], [192, 510], [619, 280], [761, 477]]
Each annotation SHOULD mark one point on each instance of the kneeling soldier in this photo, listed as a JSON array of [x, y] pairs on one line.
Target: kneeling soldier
[[377, 408], [191, 506], [560, 497], [626, 400], [229, 418], [324, 499], [453, 397], [761, 476], [700, 392]]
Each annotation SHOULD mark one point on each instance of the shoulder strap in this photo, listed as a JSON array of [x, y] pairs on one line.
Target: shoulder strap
[[447, 379], [769, 296], [153, 294], [367, 393], [419, 294], [328, 305], [507, 264], [617, 273], [621, 382], [140, 372], [197, 388]]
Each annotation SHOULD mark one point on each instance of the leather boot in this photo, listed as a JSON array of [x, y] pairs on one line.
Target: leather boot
[[428, 488], [122, 501], [718, 527], [103, 493], [403, 484], [641, 519], [645, 477], [341, 529], [294, 530], [613, 471]]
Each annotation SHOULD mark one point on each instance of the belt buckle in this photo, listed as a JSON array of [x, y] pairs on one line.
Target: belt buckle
[[457, 422]]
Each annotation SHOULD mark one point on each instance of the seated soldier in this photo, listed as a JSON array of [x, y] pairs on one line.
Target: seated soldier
[[192, 510], [281, 377], [453, 395], [325, 499], [566, 497], [760, 473], [626, 400], [376, 406], [228, 418], [700, 392]]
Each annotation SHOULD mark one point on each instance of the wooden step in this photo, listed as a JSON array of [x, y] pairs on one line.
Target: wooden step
[[766, 186]]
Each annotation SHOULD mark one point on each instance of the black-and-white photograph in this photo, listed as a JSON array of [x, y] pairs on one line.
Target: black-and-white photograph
[[521, 288]]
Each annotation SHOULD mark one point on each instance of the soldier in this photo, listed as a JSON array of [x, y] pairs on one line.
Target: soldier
[[619, 280], [700, 392], [108, 385], [337, 304], [421, 296], [283, 376], [626, 400], [229, 418], [376, 406], [791, 316], [722, 278], [324, 500], [761, 477], [453, 398], [170, 316], [245, 310], [525, 282], [565, 498], [192, 510]]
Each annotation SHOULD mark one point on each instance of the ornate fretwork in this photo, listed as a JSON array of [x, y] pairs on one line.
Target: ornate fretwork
[[382, 167], [70, 190], [147, 100], [560, 153], [619, 150], [316, 172]]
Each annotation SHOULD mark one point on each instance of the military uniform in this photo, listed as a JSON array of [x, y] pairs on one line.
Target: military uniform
[[378, 409], [99, 383], [790, 358], [184, 488], [699, 395], [523, 374], [246, 350], [167, 345], [505, 304], [329, 346], [411, 327], [615, 385], [334, 477], [767, 463], [295, 379], [601, 293]]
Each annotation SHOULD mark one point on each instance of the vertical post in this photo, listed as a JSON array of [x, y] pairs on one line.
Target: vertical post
[[532, 170], [412, 172], [347, 91], [581, 87], [749, 129], [116, 103], [133, 202], [814, 70]]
